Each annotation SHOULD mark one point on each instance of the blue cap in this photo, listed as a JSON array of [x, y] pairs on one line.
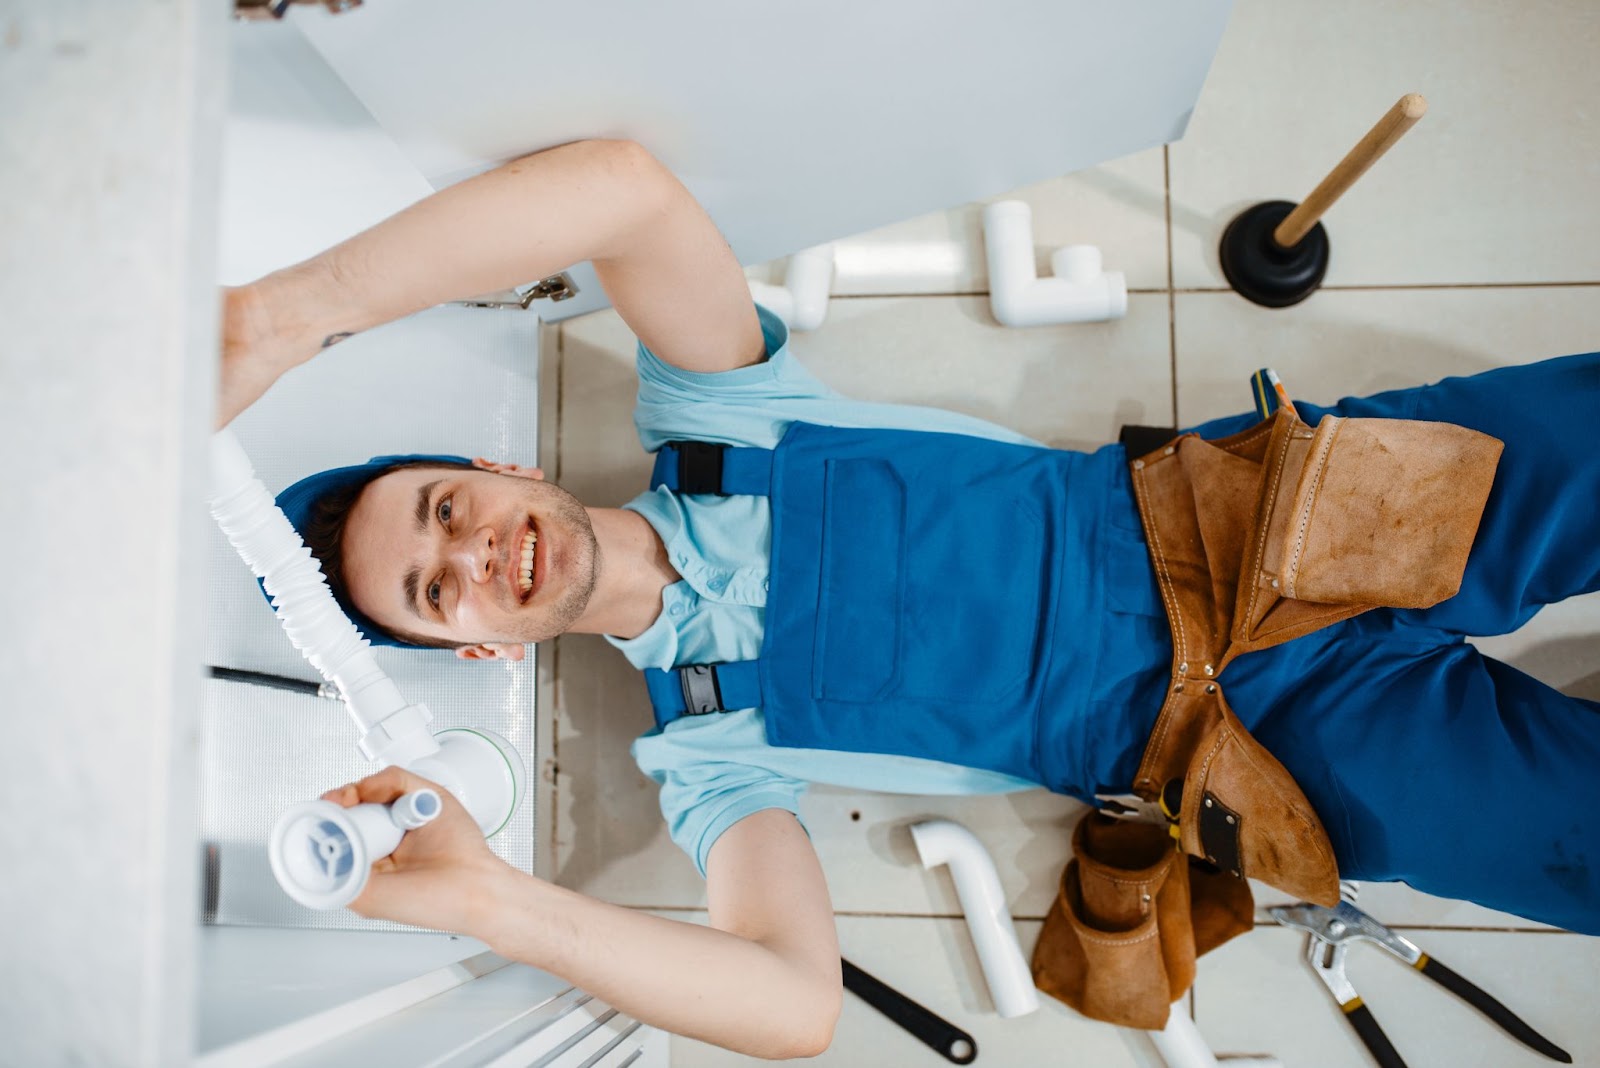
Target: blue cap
[[299, 499]]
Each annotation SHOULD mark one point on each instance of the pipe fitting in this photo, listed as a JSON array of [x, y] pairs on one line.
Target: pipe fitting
[[802, 301], [1081, 291], [988, 917]]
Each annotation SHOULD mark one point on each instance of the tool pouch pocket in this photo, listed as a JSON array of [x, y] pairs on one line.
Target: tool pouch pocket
[[1120, 941], [1384, 512], [1243, 813], [1355, 514]]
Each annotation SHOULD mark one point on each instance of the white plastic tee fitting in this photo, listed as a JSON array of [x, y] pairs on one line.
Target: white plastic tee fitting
[[802, 301], [322, 853], [1081, 291], [988, 918]]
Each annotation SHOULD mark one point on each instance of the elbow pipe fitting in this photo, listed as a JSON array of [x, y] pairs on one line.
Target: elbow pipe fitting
[[802, 301], [1081, 291], [984, 903]]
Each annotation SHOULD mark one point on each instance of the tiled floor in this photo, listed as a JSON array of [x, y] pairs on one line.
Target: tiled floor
[[1476, 243]]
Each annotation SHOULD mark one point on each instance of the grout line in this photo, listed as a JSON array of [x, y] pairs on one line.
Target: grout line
[[1453, 927], [1174, 289], [1172, 300], [1415, 286]]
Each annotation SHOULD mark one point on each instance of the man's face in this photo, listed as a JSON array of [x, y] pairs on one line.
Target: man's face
[[486, 558]]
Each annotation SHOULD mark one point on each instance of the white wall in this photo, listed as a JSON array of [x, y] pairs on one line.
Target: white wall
[[107, 206]]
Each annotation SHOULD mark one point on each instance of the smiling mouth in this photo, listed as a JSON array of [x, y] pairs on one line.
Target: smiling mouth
[[526, 564]]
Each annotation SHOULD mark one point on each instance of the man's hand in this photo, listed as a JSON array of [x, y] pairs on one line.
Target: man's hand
[[438, 875]]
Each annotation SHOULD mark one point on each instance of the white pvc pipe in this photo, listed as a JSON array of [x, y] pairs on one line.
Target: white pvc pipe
[[802, 301], [988, 918], [1180, 1045], [393, 731], [1080, 292]]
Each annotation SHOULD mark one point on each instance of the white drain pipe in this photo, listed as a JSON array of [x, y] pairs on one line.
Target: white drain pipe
[[1081, 291], [988, 918], [802, 301], [320, 852]]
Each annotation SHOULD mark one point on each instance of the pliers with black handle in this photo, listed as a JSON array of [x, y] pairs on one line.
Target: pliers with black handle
[[1332, 933]]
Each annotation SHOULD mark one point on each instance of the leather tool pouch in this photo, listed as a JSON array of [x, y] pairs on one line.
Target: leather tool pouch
[[1255, 539], [1131, 916]]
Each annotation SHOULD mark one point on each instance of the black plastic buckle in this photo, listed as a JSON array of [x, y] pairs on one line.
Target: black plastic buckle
[[701, 694], [699, 467]]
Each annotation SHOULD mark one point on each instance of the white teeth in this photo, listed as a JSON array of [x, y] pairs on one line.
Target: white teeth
[[525, 576]]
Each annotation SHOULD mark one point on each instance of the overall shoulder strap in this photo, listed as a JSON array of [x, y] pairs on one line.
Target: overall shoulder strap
[[700, 689], [700, 467]]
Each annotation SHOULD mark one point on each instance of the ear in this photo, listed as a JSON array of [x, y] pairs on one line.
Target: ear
[[492, 651], [514, 470]]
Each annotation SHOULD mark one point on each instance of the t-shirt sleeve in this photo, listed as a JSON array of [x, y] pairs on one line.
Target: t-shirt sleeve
[[745, 406], [703, 798]]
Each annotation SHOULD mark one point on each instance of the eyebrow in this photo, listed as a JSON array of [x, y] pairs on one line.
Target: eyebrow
[[412, 579], [424, 492], [420, 516]]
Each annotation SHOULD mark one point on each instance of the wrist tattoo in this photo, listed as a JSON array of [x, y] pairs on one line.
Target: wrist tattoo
[[333, 339]]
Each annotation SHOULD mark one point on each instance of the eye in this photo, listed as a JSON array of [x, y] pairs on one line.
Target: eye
[[433, 595], [446, 510]]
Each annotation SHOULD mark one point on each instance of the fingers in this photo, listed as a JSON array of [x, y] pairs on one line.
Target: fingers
[[379, 789]]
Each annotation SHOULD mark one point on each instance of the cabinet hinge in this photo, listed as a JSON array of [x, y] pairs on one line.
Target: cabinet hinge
[[555, 288]]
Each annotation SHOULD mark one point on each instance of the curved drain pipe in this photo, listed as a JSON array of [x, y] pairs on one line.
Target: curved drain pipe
[[802, 301], [321, 852], [988, 918], [1081, 291]]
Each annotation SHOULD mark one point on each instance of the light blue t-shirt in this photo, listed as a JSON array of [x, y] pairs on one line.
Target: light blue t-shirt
[[715, 770]]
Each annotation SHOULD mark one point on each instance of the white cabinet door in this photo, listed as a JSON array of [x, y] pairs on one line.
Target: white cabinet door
[[793, 122]]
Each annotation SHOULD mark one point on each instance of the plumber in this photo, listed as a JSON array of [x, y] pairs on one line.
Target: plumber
[[911, 600]]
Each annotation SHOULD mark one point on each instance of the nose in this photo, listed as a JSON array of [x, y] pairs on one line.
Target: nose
[[475, 555]]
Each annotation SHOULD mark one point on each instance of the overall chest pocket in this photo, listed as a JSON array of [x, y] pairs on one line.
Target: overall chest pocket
[[925, 596]]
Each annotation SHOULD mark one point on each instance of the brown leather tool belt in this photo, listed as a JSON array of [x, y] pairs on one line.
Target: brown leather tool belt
[[1255, 539], [1263, 537]]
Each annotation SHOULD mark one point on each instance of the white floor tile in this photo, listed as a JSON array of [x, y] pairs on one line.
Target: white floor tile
[[1118, 206], [1495, 184], [1257, 993], [933, 963], [1352, 343]]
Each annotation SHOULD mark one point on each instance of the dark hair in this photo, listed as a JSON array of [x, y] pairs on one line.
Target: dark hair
[[324, 536]]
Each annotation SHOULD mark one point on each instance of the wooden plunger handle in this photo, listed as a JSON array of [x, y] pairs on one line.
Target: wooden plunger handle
[[1400, 118]]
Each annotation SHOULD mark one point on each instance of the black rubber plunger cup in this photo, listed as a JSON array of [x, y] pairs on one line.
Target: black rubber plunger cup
[[1276, 253], [1263, 271]]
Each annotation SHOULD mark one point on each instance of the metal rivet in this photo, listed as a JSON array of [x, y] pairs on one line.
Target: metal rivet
[[1209, 671], [1210, 859], [1211, 689], [1208, 802], [1145, 898], [1178, 688], [1274, 583], [1232, 820], [1183, 668], [1169, 451], [1138, 465]]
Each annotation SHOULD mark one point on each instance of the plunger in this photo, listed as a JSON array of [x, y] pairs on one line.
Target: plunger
[[1275, 253]]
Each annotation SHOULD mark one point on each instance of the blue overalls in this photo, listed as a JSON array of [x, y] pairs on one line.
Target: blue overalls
[[993, 605]]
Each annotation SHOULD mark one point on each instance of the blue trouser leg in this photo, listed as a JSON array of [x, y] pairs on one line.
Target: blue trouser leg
[[1428, 761]]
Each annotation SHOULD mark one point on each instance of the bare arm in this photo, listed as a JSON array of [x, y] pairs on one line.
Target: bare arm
[[658, 255], [763, 979]]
